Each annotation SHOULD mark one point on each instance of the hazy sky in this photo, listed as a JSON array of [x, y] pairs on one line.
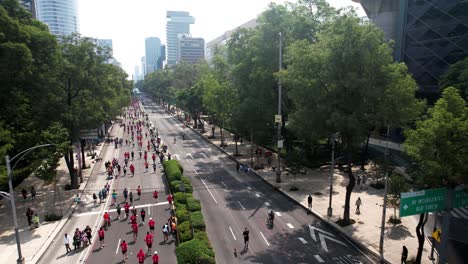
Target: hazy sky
[[128, 23]]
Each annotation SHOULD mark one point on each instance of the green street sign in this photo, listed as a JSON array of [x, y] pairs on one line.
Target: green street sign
[[461, 198], [413, 203]]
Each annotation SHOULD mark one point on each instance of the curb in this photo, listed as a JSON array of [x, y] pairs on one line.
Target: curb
[[67, 216], [334, 226]]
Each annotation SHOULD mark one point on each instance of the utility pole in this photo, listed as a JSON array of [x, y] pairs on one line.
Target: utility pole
[[384, 207], [332, 170], [279, 120]]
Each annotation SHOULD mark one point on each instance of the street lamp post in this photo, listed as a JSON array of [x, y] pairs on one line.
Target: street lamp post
[[384, 209], [330, 209], [12, 194], [278, 172]]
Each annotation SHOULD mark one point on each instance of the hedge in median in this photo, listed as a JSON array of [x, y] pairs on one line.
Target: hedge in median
[[173, 170], [195, 251], [185, 231], [193, 204], [197, 221]]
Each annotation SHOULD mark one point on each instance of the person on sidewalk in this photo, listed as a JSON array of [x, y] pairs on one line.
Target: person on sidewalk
[[66, 242], [358, 205], [245, 234], [88, 232], [35, 221], [29, 215], [404, 255], [24, 193], [309, 202], [33, 193], [165, 230]]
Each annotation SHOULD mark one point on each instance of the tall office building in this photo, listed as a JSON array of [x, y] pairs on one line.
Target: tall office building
[[143, 66], [152, 53], [430, 35], [191, 50], [60, 15], [162, 57], [178, 24], [105, 43], [30, 5]]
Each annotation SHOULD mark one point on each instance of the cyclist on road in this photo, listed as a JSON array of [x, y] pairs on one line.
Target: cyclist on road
[[124, 247]]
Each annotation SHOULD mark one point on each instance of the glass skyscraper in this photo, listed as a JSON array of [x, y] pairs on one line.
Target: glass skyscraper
[[152, 53], [60, 15], [178, 24]]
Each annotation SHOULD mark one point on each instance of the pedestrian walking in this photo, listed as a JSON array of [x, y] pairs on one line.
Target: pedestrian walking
[[154, 167], [133, 154], [358, 205], [125, 194], [149, 242], [237, 167], [245, 234], [101, 237], [118, 209], [88, 232], [35, 221], [100, 196], [135, 231], [24, 193], [126, 209], [141, 256], [66, 242], [33, 193], [114, 197], [29, 215], [404, 255], [143, 215], [139, 192], [155, 258], [125, 169], [131, 197], [132, 169], [95, 198], [76, 241], [165, 230], [155, 194], [151, 224], [146, 166], [309, 202], [124, 248], [169, 200]]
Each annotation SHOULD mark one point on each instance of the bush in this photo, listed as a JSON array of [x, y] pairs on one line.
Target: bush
[[172, 169], [180, 197], [187, 184], [194, 252], [193, 204], [181, 213], [185, 231], [175, 186], [197, 220]]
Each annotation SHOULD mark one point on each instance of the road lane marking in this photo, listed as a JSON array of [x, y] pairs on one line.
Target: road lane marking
[[357, 248], [117, 249], [203, 154], [303, 240], [267, 203], [212, 196], [290, 226], [190, 155], [266, 241], [319, 259], [211, 171], [248, 187], [224, 185], [278, 213], [243, 208], [195, 171], [257, 194], [113, 210], [149, 210], [232, 233]]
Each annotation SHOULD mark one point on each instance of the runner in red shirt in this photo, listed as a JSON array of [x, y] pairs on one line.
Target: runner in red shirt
[[151, 224], [132, 169], [141, 256], [155, 258], [124, 247], [139, 192], [133, 219], [135, 231], [127, 209], [169, 199], [155, 194], [107, 221], [149, 242], [101, 237]]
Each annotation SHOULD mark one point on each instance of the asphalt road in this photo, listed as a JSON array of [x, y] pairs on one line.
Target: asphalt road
[[233, 201], [90, 214]]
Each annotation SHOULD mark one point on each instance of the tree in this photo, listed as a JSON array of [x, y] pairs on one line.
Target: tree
[[457, 76], [346, 82], [396, 185]]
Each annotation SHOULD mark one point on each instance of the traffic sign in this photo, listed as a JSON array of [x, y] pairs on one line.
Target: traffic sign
[[412, 203], [278, 119], [461, 198], [437, 234]]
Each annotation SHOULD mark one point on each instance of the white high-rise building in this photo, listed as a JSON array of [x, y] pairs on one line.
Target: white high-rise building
[[60, 15], [178, 24]]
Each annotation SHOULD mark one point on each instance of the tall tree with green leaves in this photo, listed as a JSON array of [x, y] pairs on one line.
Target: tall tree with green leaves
[[347, 82], [457, 76]]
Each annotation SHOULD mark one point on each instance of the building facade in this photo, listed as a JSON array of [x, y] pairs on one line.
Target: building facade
[[152, 53], [143, 66], [162, 57], [60, 15], [212, 45], [30, 5], [178, 24], [191, 50], [430, 35]]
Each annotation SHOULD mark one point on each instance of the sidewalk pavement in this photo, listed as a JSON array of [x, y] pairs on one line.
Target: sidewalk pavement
[[316, 182], [34, 242]]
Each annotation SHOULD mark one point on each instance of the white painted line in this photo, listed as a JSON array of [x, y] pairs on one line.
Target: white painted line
[[303, 240], [257, 194], [212, 196], [267, 203], [243, 208], [290, 226], [195, 171], [203, 154], [319, 259], [113, 210], [149, 210], [232, 233], [248, 187], [224, 185], [190, 155], [365, 255], [117, 249], [278, 213], [211, 171], [266, 241]]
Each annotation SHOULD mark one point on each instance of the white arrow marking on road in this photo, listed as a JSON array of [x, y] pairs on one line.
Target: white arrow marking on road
[[212, 196], [319, 259], [290, 225], [243, 208], [117, 249], [303, 240], [232, 234], [266, 241], [322, 236]]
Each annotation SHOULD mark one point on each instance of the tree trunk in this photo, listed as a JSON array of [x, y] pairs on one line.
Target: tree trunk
[[195, 122], [366, 149], [222, 136], [70, 161], [420, 235], [351, 183], [83, 160], [236, 138]]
